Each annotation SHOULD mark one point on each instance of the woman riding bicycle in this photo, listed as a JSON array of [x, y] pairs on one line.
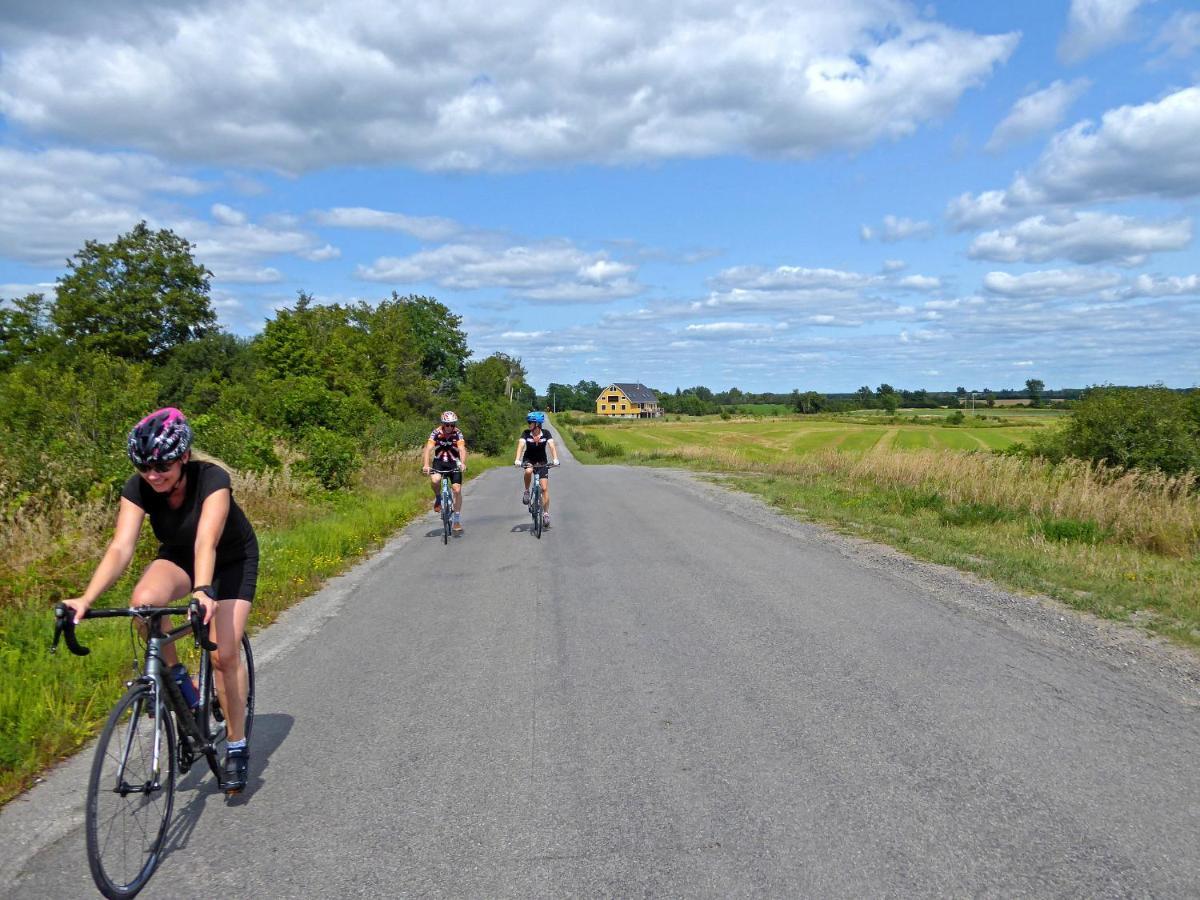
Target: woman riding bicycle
[[531, 450], [446, 457], [206, 548]]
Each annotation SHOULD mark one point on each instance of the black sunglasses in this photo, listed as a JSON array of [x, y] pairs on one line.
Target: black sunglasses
[[157, 467]]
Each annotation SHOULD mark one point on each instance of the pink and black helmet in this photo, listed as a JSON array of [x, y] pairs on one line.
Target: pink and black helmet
[[162, 436]]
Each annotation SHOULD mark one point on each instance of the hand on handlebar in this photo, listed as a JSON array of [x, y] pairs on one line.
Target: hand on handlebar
[[206, 603], [78, 609]]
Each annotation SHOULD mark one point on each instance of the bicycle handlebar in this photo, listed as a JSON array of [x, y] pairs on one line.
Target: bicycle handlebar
[[64, 623]]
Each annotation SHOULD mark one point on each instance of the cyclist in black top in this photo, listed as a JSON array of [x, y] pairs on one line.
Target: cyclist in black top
[[446, 457], [206, 548], [531, 450]]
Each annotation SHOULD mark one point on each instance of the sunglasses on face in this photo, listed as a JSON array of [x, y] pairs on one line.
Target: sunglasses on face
[[156, 467]]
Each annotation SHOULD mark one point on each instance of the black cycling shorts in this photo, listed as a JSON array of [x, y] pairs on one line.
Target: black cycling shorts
[[234, 579], [448, 469], [541, 470]]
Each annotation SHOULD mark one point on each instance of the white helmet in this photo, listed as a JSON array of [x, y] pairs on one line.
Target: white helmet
[[448, 417]]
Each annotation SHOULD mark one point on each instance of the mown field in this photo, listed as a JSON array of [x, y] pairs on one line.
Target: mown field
[[1123, 545], [768, 439]]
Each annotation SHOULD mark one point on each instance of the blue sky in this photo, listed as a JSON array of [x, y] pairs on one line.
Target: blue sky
[[768, 195]]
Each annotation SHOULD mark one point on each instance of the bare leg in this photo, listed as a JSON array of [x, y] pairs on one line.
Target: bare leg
[[546, 494], [229, 675], [162, 582]]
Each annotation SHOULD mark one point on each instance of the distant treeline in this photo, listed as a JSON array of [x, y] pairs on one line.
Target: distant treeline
[[132, 327], [701, 401]]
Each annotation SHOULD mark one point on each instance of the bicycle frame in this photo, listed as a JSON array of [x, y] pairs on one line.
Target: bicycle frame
[[154, 670]]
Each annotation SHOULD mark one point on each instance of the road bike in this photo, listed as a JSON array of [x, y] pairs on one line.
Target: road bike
[[535, 496], [447, 504], [151, 738]]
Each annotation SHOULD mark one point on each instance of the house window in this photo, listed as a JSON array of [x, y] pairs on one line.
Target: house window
[[613, 399], [622, 406], [602, 406]]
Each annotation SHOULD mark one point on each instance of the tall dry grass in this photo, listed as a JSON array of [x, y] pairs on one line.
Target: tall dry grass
[[1150, 511]]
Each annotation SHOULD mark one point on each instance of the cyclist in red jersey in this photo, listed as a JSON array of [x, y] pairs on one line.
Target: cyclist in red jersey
[[446, 457]]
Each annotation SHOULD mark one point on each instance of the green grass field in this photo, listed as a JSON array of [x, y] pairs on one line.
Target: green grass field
[[770, 439]]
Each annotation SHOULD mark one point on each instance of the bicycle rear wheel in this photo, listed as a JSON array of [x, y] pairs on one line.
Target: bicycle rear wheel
[[212, 716], [130, 795]]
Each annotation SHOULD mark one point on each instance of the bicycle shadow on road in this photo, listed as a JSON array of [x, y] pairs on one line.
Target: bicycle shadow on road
[[200, 787]]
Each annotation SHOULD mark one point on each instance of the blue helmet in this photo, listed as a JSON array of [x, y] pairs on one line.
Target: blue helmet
[[536, 417]]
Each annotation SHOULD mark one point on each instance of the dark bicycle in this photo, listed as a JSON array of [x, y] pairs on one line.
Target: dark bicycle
[[535, 495], [447, 504], [151, 737]]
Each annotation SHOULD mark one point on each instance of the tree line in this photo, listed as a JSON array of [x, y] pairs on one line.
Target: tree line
[[132, 327]]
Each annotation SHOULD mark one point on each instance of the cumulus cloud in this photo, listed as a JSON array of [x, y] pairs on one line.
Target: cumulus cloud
[[306, 84], [52, 202], [1146, 150], [897, 228], [425, 228], [1050, 283], [1093, 25], [1035, 113], [546, 271], [1087, 237]]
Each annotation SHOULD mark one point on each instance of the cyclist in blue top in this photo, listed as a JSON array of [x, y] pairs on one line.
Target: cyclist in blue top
[[532, 447], [446, 457]]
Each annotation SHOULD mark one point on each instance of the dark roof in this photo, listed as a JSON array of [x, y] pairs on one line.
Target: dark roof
[[637, 393]]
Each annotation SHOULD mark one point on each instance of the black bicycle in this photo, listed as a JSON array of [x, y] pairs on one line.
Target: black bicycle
[[151, 738], [535, 496], [447, 504]]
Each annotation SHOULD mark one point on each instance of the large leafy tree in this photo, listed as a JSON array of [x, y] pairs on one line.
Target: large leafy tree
[[136, 298]]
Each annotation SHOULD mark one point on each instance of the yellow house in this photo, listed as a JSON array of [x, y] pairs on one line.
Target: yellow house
[[634, 401]]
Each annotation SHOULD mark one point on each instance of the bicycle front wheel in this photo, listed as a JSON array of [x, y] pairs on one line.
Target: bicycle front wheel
[[212, 716], [536, 509], [130, 794]]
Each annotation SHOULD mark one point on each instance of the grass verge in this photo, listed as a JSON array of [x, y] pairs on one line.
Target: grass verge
[[50, 706]]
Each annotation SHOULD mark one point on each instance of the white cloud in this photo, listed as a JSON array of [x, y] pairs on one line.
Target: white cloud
[[322, 254], [897, 228], [52, 202], [426, 228], [1150, 286], [1180, 34], [920, 283], [1135, 151], [790, 278], [1050, 283], [307, 84], [1036, 112], [1093, 25], [547, 271], [1086, 237]]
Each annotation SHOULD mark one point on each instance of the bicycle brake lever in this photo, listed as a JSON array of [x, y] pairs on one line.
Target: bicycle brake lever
[[198, 628], [64, 627]]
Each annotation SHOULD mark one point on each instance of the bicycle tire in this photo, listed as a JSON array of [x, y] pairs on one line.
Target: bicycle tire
[[212, 718], [535, 509], [130, 726], [447, 512]]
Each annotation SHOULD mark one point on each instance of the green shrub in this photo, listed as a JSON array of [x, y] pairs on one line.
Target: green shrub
[[607, 450], [1080, 532], [236, 440], [330, 458], [1138, 428], [64, 421]]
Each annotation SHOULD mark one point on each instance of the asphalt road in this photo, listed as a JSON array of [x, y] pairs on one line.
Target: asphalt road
[[676, 692]]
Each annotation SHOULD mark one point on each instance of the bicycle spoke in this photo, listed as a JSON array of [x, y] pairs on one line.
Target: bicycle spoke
[[130, 794]]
